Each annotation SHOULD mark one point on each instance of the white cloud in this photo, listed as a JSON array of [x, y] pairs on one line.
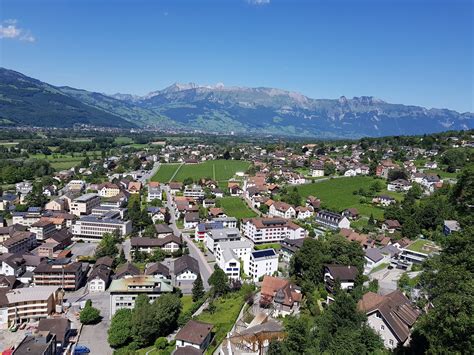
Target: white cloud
[[10, 30], [258, 2]]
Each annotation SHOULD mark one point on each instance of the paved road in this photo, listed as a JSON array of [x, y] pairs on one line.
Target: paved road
[[127, 247], [194, 251], [150, 174]]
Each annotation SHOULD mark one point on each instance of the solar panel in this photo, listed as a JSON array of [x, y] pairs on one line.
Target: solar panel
[[263, 253]]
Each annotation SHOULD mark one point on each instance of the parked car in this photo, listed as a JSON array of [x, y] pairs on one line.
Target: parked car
[[81, 349]]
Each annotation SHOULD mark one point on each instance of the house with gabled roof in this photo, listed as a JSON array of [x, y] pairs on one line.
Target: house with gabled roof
[[392, 316]]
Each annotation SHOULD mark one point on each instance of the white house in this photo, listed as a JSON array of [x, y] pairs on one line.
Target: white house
[[186, 268], [332, 220], [214, 236], [268, 230], [282, 209]]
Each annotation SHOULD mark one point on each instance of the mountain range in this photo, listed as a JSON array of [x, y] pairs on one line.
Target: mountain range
[[217, 109]]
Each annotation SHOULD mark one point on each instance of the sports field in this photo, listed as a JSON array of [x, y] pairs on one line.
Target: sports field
[[219, 170], [337, 194], [236, 207]]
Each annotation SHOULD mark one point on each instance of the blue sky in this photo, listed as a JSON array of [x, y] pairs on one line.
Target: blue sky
[[403, 51]]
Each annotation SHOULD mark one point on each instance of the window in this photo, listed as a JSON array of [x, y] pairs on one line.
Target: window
[[382, 327], [390, 342]]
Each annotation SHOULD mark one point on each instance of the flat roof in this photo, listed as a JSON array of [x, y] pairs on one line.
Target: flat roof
[[28, 294]]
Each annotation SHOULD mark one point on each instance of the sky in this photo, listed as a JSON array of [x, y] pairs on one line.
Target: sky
[[403, 51]]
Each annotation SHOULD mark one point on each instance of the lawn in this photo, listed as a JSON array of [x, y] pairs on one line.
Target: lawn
[[223, 318], [236, 207], [443, 174], [165, 172], [422, 246], [275, 246], [187, 302], [337, 194], [64, 161]]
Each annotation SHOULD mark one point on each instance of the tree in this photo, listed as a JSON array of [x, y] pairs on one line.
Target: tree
[[198, 289], [121, 259], [219, 282], [107, 246], [89, 315], [120, 332], [166, 310], [36, 198], [447, 280], [143, 322]]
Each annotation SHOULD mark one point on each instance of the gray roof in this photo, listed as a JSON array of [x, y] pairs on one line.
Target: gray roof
[[184, 263], [374, 254]]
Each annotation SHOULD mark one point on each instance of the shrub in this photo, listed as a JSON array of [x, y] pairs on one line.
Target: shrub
[[161, 343]]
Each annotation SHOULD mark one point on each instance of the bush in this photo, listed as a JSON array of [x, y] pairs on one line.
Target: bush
[[89, 315], [161, 343]]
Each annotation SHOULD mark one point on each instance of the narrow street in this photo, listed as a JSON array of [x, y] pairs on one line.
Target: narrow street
[[194, 251]]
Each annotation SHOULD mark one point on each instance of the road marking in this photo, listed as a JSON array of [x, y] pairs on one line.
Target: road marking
[[176, 171]]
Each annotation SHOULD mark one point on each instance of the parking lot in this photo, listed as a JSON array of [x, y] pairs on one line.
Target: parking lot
[[95, 336], [83, 249]]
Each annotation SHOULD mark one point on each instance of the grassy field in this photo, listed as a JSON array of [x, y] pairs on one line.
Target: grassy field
[[123, 140], [220, 170], [236, 207], [165, 172], [227, 310], [337, 194], [64, 161]]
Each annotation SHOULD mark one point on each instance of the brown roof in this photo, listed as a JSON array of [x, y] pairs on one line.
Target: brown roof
[[275, 287], [187, 350], [154, 242], [127, 269], [342, 272], [395, 308], [157, 268], [392, 223], [194, 332], [186, 262]]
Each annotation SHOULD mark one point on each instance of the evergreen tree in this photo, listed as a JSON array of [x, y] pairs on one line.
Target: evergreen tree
[[198, 289]]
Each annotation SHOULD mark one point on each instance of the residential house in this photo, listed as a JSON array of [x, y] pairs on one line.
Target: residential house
[[450, 226], [282, 209], [284, 296], [303, 213], [194, 335], [373, 258], [289, 247], [191, 220], [399, 185], [392, 316], [168, 244], [344, 275], [108, 189], [158, 270], [391, 225], [126, 270], [186, 268]]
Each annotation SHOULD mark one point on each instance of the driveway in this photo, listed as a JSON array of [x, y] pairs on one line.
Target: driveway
[[388, 279]]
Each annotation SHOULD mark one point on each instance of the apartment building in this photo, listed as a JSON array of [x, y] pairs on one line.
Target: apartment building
[[229, 254], [261, 262], [267, 230], [154, 191], [194, 191], [84, 204], [42, 229], [108, 189], [92, 228], [215, 236], [332, 220], [61, 273], [27, 218], [18, 243], [28, 304], [123, 292]]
